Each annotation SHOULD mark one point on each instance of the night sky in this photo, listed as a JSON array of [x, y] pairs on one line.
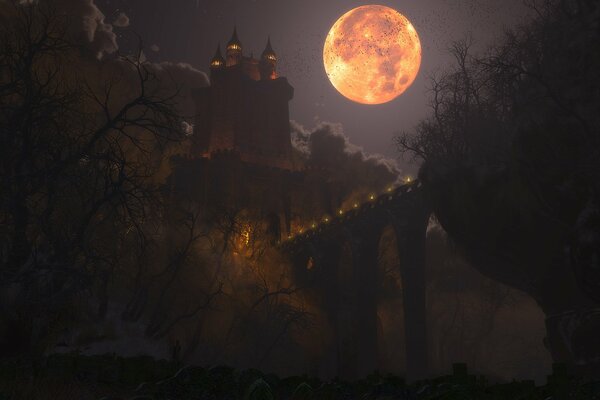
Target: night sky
[[189, 30], [122, 236]]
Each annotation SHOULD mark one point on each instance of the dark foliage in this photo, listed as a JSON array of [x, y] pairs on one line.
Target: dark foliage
[[110, 377], [75, 174], [511, 159]]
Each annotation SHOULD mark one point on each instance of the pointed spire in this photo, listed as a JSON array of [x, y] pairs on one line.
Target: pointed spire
[[234, 42], [269, 48], [218, 53], [218, 60], [269, 53]]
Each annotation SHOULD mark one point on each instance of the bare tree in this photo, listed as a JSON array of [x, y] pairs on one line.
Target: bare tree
[[76, 168]]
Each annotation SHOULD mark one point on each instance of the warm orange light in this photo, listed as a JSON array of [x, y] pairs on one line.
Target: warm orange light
[[244, 238], [372, 54], [372, 197]]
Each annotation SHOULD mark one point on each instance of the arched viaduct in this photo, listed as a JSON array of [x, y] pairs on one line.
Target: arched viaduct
[[338, 260]]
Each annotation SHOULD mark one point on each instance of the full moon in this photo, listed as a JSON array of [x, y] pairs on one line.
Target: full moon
[[372, 54]]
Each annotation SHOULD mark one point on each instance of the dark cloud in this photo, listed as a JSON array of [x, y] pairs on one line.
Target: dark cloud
[[326, 147], [85, 22], [121, 21], [183, 78], [88, 24]]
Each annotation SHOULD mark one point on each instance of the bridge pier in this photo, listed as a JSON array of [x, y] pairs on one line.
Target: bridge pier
[[411, 248], [347, 291], [366, 252]]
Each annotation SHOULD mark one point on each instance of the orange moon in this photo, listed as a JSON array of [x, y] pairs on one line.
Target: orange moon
[[372, 54]]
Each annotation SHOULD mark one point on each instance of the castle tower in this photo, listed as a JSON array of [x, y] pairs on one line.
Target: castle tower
[[245, 110], [234, 50], [268, 63]]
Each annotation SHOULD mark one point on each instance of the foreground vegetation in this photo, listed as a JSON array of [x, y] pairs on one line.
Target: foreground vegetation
[[72, 376]]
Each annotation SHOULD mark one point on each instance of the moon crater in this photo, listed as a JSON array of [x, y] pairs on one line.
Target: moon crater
[[372, 54]]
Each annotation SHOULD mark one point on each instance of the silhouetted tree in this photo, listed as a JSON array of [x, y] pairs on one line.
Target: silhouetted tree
[[77, 141], [511, 159]]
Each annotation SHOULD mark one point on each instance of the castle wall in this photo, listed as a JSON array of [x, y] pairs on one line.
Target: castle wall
[[225, 181]]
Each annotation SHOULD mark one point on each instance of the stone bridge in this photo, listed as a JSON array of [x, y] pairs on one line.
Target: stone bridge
[[338, 259]]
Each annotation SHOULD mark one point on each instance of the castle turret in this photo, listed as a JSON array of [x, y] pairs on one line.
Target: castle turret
[[234, 50], [217, 62], [268, 62]]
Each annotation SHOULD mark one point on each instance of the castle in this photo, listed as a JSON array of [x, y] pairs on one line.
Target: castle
[[245, 109], [241, 155]]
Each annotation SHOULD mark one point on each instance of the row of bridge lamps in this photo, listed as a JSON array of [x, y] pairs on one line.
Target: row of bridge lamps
[[341, 212]]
